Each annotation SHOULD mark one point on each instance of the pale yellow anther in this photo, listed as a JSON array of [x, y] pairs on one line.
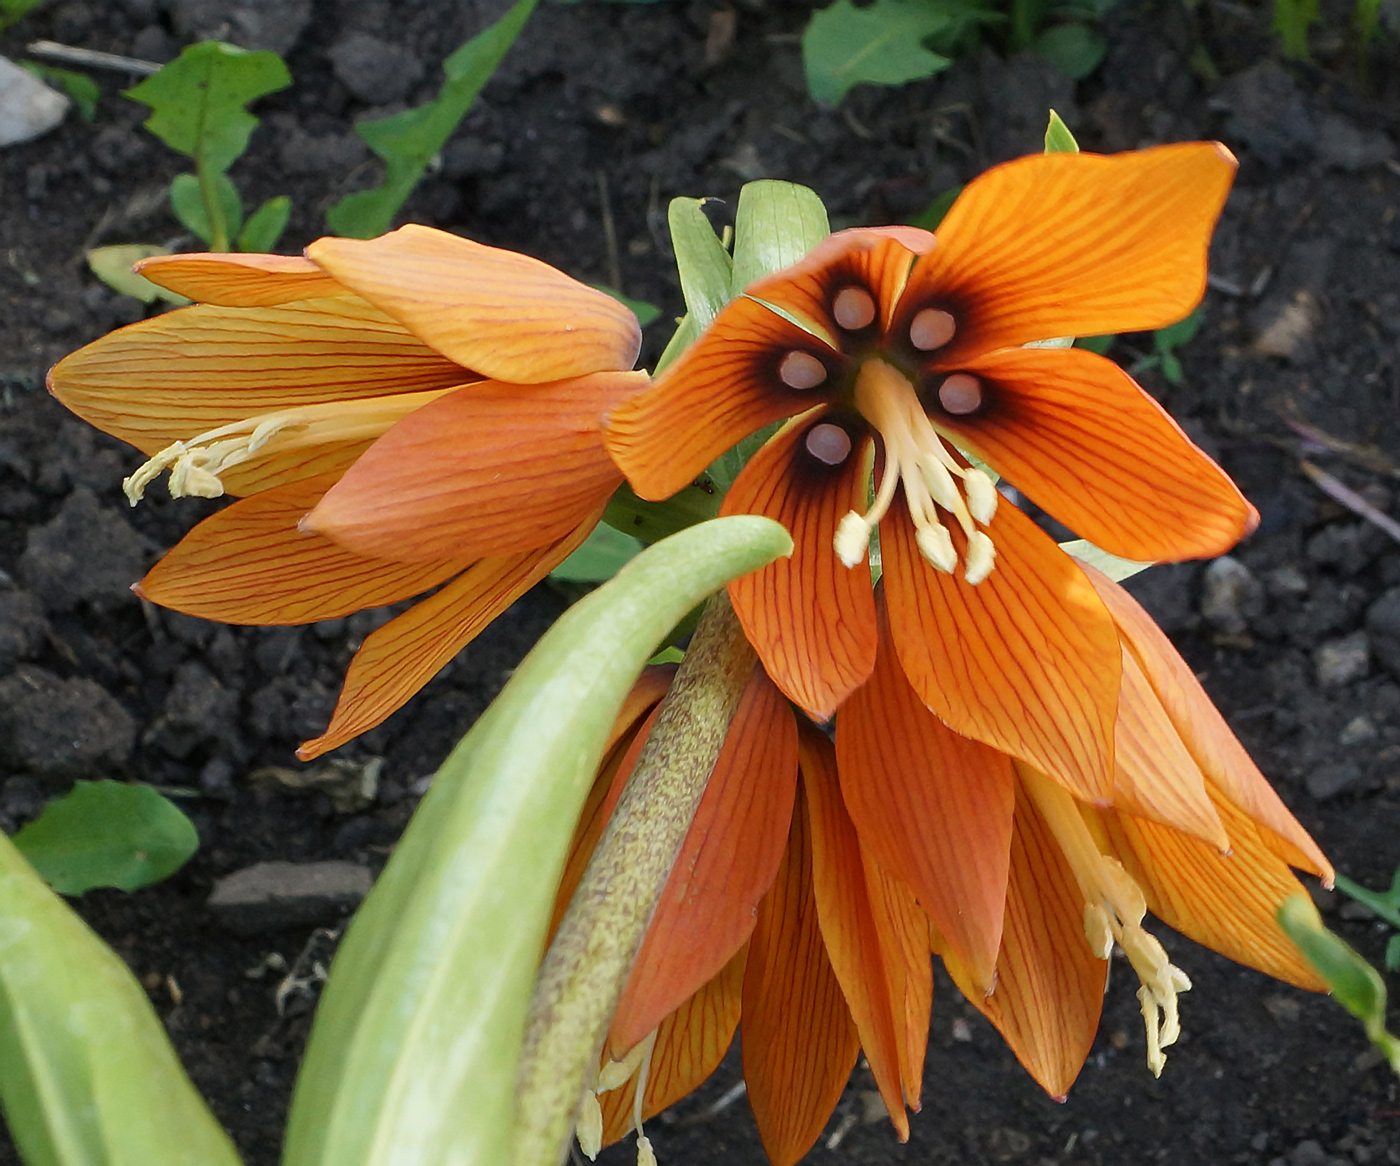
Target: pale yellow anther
[[981, 558], [936, 545], [646, 1156], [982, 496], [852, 539], [589, 1130]]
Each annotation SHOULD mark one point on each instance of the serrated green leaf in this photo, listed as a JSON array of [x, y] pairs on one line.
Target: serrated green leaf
[[187, 201], [87, 1074], [1075, 49], [113, 264], [408, 141], [844, 46], [1058, 139], [417, 1039], [108, 834], [602, 555], [265, 225], [1114, 567], [706, 269], [197, 101]]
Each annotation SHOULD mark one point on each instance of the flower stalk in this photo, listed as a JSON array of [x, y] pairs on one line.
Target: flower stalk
[[582, 977]]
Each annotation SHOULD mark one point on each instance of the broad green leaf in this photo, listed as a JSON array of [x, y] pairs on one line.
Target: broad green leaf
[[113, 264], [934, 213], [646, 313], [414, 1051], [1114, 567], [187, 201], [87, 1074], [1058, 139], [706, 268], [265, 225], [844, 46], [775, 225], [108, 834], [197, 101], [653, 521], [601, 557], [1075, 49], [408, 141]]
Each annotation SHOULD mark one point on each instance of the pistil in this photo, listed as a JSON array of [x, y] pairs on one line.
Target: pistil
[[1113, 911]]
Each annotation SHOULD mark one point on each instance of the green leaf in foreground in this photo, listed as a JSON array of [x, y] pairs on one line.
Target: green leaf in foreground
[[107, 834], [407, 141], [844, 46], [414, 1051], [87, 1074]]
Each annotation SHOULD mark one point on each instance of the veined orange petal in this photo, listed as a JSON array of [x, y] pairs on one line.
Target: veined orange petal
[[799, 1041], [1081, 439], [1050, 984], [396, 660], [510, 317], [1118, 245], [248, 564], [1155, 776], [902, 928], [240, 281], [1209, 740], [487, 470], [932, 807], [810, 618], [873, 259], [726, 864], [1226, 902], [176, 376], [690, 1043], [844, 911], [1026, 661], [722, 388]]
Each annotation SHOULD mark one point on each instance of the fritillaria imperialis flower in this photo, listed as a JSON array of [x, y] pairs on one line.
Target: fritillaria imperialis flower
[[892, 351], [818, 877], [398, 415]]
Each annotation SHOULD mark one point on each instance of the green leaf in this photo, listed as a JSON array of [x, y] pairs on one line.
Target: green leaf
[[1075, 49], [933, 214], [1114, 567], [653, 521], [706, 268], [1099, 345], [1058, 139], [408, 141], [1387, 906], [197, 101], [13, 11], [187, 201], [602, 555], [775, 225], [87, 1074], [82, 90], [844, 46], [1177, 335], [108, 834], [646, 313], [112, 265], [414, 1051], [265, 225]]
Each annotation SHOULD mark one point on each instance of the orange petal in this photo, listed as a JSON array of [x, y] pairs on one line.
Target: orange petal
[[690, 1044], [1215, 749], [876, 261], [176, 376], [508, 316], [1026, 661], [240, 281], [396, 660], [902, 928], [722, 388], [725, 866], [1155, 776], [1074, 432], [248, 564], [487, 470], [1226, 902], [810, 618], [1073, 245], [844, 910], [1050, 984], [799, 1041], [932, 807]]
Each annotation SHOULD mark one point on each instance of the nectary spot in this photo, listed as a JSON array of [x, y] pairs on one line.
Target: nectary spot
[[932, 328], [853, 308], [828, 443], [801, 370], [960, 394]]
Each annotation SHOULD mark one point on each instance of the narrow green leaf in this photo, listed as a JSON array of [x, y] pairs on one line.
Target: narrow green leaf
[[112, 265], [87, 1074], [265, 225], [414, 1051], [775, 225], [844, 46], [933, 214], [706, 268], [646, 313], [1111, 565], [602, 555], [408, 141], [187, 201], [682, 338], [108, 834], [1058, 139], [1387, 906], [197, 101]]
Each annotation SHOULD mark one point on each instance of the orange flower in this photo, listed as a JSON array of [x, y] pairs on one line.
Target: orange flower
[[816, 879], [892, 350], [412, 412]]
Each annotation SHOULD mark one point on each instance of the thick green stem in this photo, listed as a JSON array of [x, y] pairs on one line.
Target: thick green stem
[[587, 965]]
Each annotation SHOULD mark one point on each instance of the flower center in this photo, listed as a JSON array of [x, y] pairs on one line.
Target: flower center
[[1113, 912], [917, 458], [195, 465]]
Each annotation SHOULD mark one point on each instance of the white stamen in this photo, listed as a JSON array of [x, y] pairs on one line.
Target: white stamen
[[940, 484], [852, 539], [853, 308], [801, 370], [932, 328], [981, 557], [982, 496], [936, 545]]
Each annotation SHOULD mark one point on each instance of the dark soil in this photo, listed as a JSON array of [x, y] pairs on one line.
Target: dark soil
[[600, 115]]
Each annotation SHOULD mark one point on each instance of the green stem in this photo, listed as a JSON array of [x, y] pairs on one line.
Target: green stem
[[213, 204], [586, 967]]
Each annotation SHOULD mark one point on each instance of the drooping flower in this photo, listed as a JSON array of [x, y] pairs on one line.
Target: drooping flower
[[817, 878], [398, 415], [896, 351]]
